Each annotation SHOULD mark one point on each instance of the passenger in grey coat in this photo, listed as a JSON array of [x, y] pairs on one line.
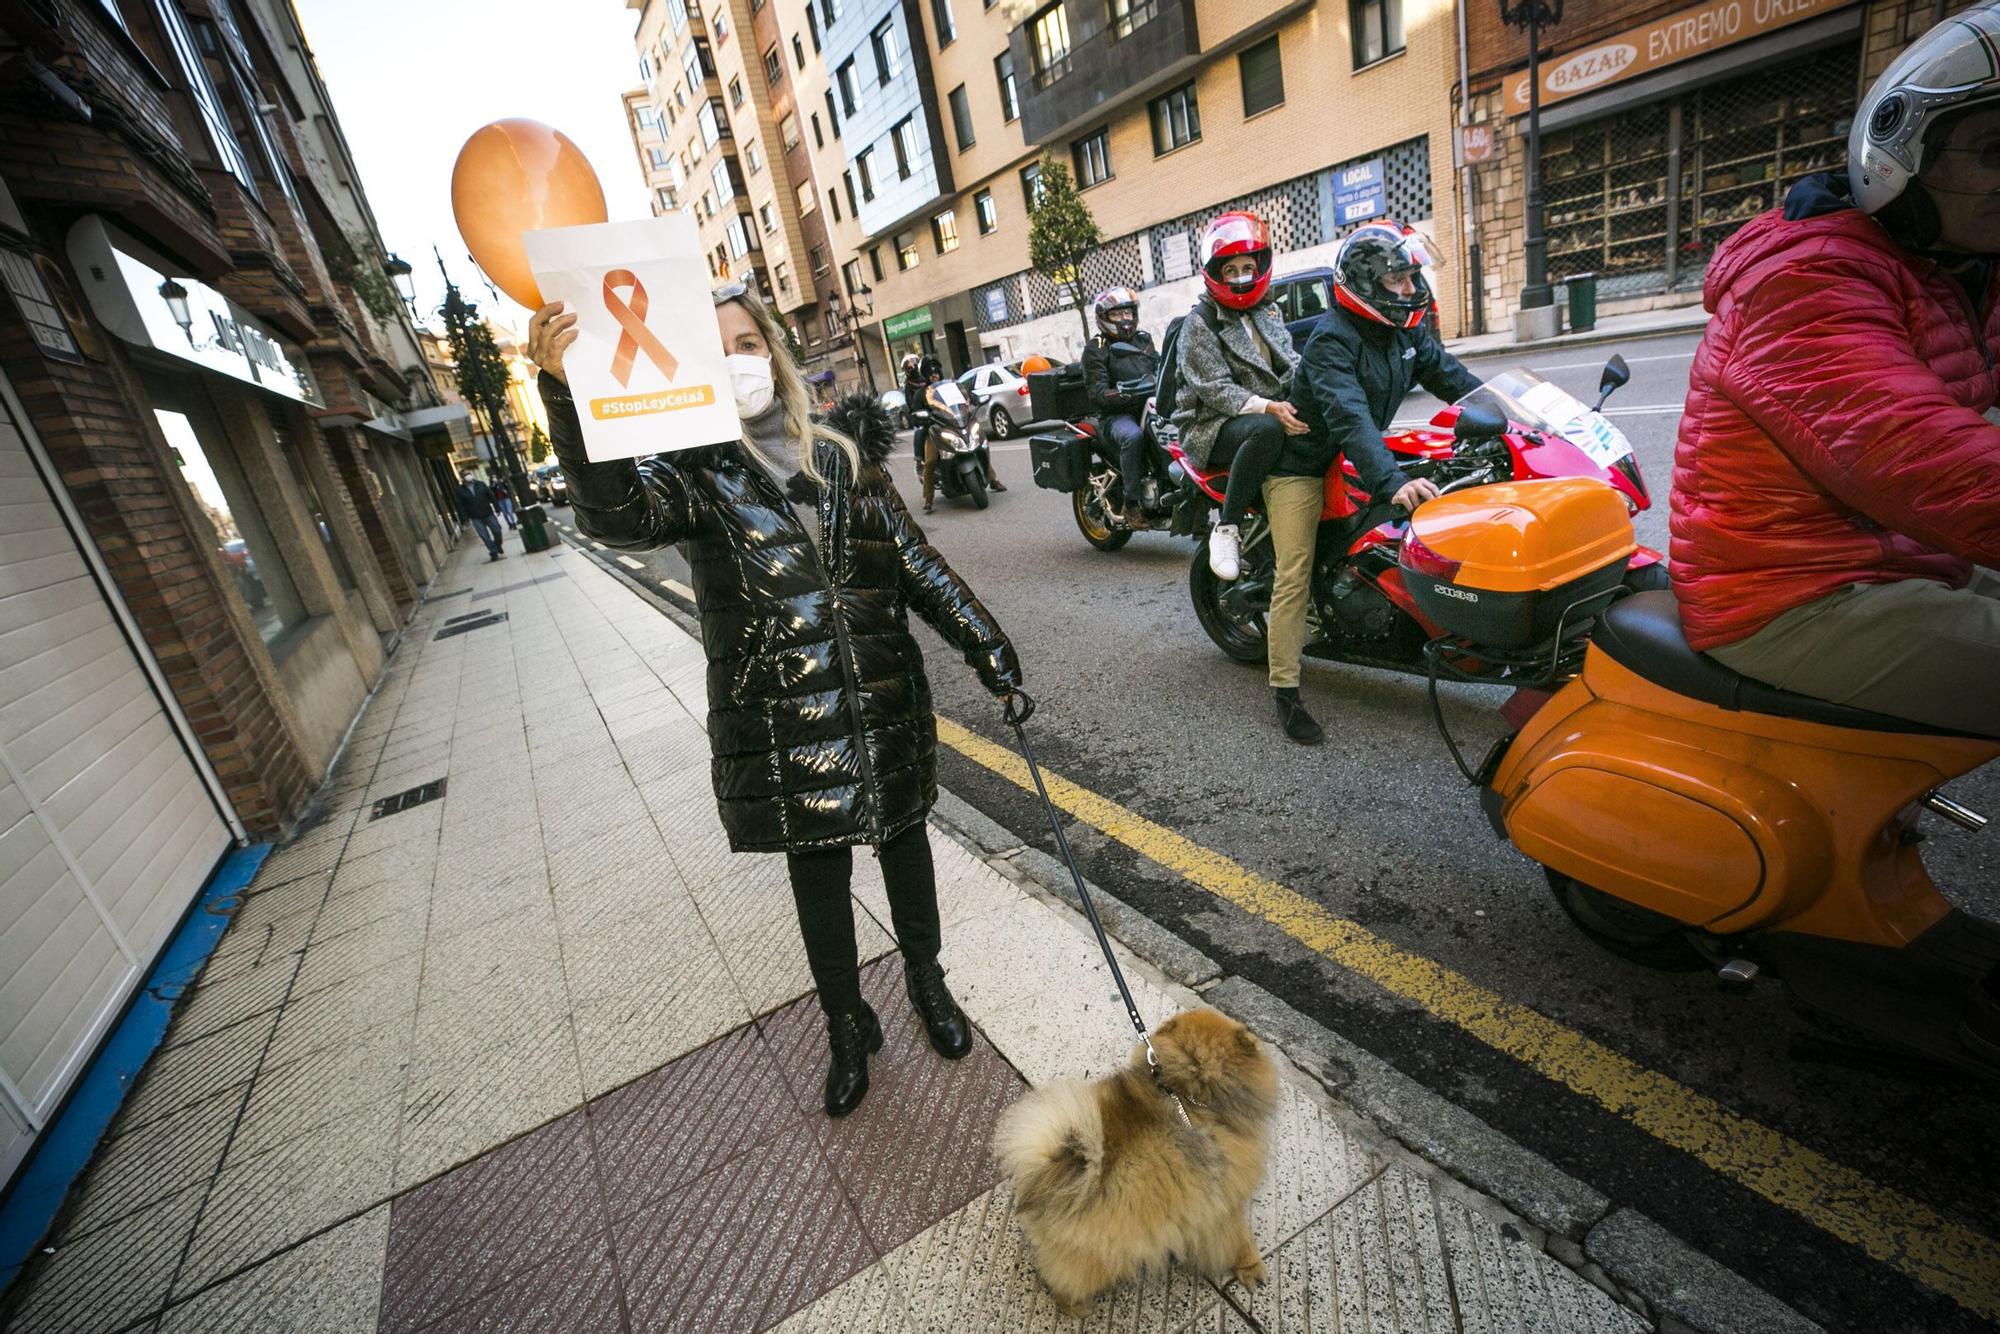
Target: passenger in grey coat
[[1228, 358]]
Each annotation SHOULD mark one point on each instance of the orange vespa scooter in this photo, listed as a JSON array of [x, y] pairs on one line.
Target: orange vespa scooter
[[1686, 815]]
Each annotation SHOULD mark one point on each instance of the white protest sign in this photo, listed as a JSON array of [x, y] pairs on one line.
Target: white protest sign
[[647, 369]]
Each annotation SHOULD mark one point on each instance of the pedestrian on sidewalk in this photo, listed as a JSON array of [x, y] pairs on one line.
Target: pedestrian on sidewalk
[[475, 505], [805, 566], [504, 498]]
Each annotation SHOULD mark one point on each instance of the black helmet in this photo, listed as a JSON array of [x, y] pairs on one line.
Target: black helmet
[[931, 368], [1374, 252], [1117, 312]]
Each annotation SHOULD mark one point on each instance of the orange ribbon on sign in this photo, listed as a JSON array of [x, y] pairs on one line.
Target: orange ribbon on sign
[[631, 317]]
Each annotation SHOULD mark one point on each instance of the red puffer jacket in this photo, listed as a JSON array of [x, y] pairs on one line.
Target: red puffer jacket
[[1834, 431]]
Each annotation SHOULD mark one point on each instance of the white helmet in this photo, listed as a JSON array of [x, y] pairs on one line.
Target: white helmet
[[1953, 66]]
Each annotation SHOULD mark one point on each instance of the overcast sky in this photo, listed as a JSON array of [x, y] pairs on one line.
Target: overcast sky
[[411, 79]]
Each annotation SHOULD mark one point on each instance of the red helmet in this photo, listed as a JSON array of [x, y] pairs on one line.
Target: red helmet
[[1231, 234], [1379, 251]]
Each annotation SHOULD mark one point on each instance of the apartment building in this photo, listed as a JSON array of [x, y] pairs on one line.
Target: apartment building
[[223, 498], [1665, 127], [934, 115], [715, 125]]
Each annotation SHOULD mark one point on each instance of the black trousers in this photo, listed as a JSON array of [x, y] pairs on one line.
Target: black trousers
[[821, 880], [1256, 447]]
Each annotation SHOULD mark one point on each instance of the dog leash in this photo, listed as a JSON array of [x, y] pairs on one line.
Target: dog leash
[[1018, 710]]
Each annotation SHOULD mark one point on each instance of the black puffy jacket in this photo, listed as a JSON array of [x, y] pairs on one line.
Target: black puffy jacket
[[820, 727], [1354, 374]]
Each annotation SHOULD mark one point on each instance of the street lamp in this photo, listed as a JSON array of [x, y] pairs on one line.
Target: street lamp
[[176, 298], [1537, 294], [399, 270], [850, 321]]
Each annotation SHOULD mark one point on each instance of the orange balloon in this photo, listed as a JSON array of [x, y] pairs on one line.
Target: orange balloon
[[1034, 364], [515, 176]]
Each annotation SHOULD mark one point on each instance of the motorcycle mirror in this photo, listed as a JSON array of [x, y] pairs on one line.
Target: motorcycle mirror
[[1616, 375], [1476, 421]]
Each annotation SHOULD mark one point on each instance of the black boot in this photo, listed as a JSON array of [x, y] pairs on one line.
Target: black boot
[[852, 1035], [950, 1032], [1298, 724]]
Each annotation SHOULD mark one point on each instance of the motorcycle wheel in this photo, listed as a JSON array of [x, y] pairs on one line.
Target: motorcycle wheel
[[1241, 640], [1637, 935], [975, 487], [1003, 425], [1648, 578], [1095, 529]]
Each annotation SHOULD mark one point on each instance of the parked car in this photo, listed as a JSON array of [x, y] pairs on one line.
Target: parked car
[[999, 396]]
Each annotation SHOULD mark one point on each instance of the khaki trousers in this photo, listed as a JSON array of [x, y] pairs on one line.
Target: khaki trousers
[[1291, 507], [1913, 649]]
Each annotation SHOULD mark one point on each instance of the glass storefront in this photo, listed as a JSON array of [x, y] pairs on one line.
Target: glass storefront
[[1616, 208], [288, 447], [247, 548]]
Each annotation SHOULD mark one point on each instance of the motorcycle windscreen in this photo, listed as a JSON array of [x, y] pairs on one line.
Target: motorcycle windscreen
[[1526, 399]]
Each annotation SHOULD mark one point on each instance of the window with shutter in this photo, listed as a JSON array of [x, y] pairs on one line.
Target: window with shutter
[[1263, 76]]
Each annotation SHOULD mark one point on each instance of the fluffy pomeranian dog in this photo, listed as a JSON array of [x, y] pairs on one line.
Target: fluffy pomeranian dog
[[1108, 1180]]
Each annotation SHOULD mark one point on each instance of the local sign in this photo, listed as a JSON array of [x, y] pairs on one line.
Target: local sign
[[909, 322], [1475, 142], [1359, 192], [1691, 32]]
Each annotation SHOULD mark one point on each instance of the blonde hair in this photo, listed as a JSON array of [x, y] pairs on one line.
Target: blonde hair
[[793, 399]]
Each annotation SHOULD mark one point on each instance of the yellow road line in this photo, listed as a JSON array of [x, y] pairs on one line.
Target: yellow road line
[[1902, 1233]]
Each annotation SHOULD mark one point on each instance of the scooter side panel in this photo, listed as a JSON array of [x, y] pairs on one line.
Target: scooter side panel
[[1825, 807], [1582, 815]]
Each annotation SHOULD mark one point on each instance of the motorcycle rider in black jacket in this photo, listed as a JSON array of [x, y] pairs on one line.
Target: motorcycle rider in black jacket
[[1121, 354], [1367, 352]]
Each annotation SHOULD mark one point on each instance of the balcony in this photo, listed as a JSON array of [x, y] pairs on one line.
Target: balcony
[[1104, 57]]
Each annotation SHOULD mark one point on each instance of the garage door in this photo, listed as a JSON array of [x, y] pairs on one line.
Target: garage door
[[107, 828]]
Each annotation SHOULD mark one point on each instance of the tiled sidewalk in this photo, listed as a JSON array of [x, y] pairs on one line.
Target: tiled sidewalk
[[540, 1055]]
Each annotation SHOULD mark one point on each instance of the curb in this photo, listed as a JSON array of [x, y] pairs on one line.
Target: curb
[[1457, 346], [1683, 1284], [1621, 1251]]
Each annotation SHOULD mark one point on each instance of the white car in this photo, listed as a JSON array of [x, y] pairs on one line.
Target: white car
[[1002, 396]]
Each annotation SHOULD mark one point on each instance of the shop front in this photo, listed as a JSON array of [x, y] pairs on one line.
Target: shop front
[[911, 333], [1660, 141], [234, 406]]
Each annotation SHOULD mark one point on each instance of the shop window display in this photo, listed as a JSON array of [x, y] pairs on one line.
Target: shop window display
[[249, 552]]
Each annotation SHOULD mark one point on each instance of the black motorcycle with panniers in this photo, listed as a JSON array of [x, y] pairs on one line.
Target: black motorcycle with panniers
[[1079, 461]]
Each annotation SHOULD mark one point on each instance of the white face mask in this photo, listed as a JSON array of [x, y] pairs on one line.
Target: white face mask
[[750, 378]]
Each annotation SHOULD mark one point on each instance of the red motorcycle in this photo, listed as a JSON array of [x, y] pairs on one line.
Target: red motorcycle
[[1514, 427]]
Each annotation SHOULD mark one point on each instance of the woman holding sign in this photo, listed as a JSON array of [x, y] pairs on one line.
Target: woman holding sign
[[805, 564]]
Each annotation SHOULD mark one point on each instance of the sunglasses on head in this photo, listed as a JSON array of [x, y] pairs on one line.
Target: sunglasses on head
[[729, 292]]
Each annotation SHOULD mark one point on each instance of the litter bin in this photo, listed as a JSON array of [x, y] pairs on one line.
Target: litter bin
[[1582, 302], [534, 529]]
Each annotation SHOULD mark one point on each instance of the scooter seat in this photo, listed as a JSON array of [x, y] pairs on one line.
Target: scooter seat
[[1643, 633]]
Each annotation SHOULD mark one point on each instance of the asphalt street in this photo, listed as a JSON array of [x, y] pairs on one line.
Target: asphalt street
[[1377, 826]]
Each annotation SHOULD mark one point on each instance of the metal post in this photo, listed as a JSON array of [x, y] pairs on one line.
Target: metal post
[[1674, 133], [1537, 292]]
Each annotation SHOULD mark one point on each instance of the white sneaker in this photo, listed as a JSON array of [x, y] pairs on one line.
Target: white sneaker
[[1224, 553]]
